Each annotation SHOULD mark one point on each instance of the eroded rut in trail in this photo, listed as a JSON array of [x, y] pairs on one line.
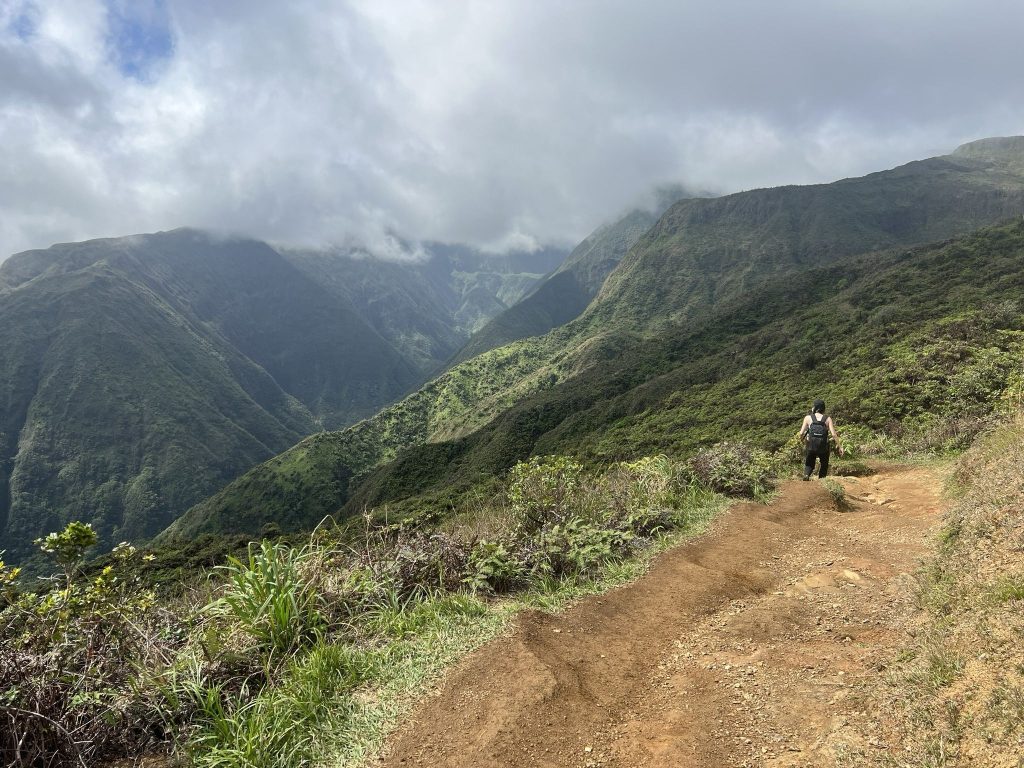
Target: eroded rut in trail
[[749, 646]]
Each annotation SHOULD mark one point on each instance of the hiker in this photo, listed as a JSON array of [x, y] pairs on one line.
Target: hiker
[[816, 428]]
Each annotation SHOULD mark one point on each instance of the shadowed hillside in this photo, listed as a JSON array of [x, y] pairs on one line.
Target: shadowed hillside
[[140, 374]]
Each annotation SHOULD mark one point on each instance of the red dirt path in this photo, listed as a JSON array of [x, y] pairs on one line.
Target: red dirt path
[[748, 646]]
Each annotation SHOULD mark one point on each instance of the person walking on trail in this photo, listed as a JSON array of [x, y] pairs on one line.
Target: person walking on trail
[[816, 429]]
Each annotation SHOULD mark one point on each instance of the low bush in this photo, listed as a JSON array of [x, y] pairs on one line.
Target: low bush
[[544, 490], [577, 547], [942, 435], [641, 496], [735, 469], [837, 493], [70, 658], [429, 562], [492, 567], [850, 468]]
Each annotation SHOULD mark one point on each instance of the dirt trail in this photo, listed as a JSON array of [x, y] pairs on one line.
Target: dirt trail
[[749, 646]]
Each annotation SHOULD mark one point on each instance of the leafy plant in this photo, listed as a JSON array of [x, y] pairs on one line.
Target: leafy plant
[[736, 469], [640, 494], [493, 568], [8, 582], [837, 493], [543, 490], [71, 685], [68, 547], [268, 596], [578, 546]]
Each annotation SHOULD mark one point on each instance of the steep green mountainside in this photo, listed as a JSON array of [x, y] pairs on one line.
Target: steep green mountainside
[[427, 308], [564, 294], [118, 412], [575, 389], [140, 374], [243, 294], [704, 251]]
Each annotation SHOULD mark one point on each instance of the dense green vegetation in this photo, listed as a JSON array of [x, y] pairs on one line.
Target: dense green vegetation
[[703, 252], [140, 374], [918, 345], [292, 655], [724, 320], [568, 291], [426, 308]]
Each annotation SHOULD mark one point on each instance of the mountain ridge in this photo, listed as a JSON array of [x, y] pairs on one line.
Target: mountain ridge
[[141, 373], [522, 394]]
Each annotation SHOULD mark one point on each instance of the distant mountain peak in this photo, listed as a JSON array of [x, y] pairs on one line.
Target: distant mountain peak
[[997, 147]]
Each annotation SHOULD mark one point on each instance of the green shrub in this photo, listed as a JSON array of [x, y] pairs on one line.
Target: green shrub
[[8, 582], [860, 441], [578, 547], [71, 689], [544, 490], [837, 493], [68, 547], [640, 495], [735, 469], [493, 568], [942, 434]]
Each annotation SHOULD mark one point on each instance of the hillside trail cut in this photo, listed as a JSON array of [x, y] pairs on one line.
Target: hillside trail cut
[[752, 645]]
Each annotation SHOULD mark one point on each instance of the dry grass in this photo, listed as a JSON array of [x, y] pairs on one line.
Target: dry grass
[[958, 694]]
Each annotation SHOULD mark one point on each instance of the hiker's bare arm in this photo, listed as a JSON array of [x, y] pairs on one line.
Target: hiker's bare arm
[[803, 428], [835, 435]]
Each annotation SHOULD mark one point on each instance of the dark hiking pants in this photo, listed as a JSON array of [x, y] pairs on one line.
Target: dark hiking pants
[[821, 456]]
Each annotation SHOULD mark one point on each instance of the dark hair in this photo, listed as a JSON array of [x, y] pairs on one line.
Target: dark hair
[[819, 406]]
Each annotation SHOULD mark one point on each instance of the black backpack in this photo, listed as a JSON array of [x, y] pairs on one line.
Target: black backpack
[[817, 435]]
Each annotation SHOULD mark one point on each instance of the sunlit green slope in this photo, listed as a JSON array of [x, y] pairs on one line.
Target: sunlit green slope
[[704, 315]]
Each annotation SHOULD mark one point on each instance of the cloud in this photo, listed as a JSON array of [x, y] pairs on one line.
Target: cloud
[[496, 123]]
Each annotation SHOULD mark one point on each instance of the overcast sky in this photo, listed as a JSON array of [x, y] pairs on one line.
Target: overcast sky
[[497, 122]]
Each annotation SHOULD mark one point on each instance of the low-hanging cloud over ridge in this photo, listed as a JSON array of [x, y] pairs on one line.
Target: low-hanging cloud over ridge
[[499, 123]]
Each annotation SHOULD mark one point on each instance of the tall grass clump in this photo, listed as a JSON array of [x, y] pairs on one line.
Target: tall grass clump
[[269, 597], [285, 724]]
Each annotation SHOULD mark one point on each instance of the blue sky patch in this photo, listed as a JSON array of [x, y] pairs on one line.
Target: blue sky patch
[[25, 21], [139, 36]]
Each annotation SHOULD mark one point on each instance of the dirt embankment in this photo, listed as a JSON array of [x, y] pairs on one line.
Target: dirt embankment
[[750, 646]]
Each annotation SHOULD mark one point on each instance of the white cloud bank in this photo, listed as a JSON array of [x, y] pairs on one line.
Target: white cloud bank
[[492, 122]]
